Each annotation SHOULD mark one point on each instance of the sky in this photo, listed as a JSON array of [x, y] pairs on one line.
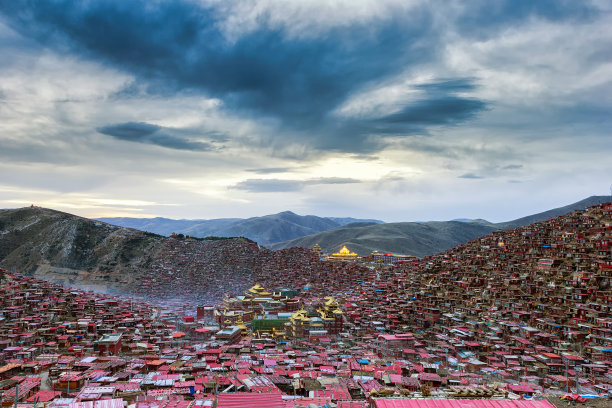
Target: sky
[[398, 110]]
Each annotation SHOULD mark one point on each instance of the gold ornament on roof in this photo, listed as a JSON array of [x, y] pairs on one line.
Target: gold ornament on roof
[[345, 252]]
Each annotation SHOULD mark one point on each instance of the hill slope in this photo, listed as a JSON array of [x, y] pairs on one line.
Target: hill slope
[[79, 252], [412, 238], [76, 251], [421, 239], [63, 246], [556, 212]]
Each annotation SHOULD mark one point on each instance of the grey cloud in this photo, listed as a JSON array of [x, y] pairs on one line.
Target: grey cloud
[[269, 186], [436, 111], [296, 82], [333, 180], [150, 134], [512, 167], [270, 170], [470, 176], [283, 186]]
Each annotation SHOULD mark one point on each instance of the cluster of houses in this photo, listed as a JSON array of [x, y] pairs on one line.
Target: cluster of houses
[[510, 316]]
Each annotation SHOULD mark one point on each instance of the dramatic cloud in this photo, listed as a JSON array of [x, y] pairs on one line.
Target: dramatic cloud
[[297, 81], [369, 108], [151, 134]]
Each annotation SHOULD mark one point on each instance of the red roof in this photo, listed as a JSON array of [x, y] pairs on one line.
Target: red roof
[[443, 403], [250, 399]]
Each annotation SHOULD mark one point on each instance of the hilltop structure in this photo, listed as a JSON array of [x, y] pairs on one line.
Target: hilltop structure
[[344, 255]]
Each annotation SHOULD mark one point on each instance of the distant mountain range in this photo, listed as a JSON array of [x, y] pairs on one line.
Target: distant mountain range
[[264, 230], [421, 238], [287, 229], [61, 247]]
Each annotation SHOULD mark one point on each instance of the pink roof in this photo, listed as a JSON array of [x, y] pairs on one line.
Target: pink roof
[[520, 388], [249, 399], [44, 396], [442, 403], [111, 403]]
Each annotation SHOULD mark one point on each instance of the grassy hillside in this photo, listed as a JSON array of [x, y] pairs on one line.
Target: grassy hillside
[[410, 238]]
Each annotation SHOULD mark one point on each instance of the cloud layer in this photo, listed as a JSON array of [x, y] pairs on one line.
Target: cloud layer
[[152, 134], [355, 106]]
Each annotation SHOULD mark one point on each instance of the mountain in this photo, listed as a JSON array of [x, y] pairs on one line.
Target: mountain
[[556, 212], [265, 230], [348, 220], [78, 252], [420, 239], [50, 243], [166, 226]]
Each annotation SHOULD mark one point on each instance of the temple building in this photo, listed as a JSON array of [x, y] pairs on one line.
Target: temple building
[[256, 301], [392, 259], [326, 320], [344, 255]]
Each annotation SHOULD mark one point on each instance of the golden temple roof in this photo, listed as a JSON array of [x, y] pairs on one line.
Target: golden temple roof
[[258, 290], [345, 252]]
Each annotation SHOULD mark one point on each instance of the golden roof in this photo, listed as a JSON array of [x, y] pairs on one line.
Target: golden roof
[[300, 315], [345, 252], [258, 290]]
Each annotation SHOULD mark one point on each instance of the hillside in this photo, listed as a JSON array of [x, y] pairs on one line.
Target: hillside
[[75, 251], [423, 238], [412, 238], [79, 252], [265, 230], [556, 212], [62, 246]]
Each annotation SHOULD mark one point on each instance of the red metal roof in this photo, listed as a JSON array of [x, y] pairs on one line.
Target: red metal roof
[[456, 403], [249, 399]]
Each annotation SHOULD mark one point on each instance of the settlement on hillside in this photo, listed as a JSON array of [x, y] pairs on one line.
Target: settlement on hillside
[[516, 314]]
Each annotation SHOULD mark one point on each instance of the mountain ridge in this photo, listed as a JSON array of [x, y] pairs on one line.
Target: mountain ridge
[[380, 239], [265, 230]]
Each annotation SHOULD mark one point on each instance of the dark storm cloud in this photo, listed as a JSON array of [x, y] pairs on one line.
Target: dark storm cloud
[[482, 16], [150, 134], [283, 186], [264, 71], [295, 80], [446, 110], [441, 103]]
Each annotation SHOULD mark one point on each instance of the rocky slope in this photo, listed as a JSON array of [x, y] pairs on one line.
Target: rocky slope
[[82, 253], [64, 248]]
